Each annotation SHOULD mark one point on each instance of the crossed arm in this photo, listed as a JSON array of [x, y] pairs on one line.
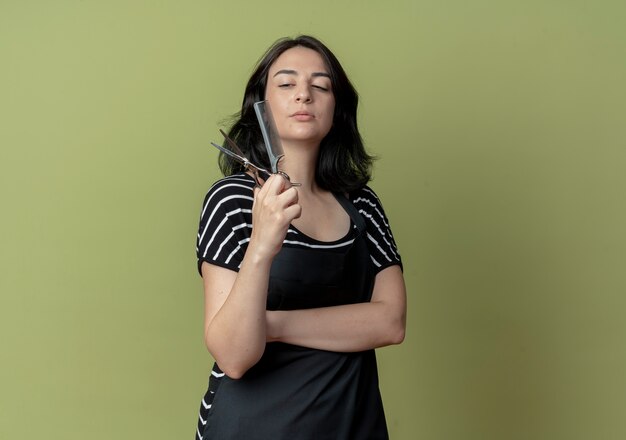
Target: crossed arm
[[237, 326]]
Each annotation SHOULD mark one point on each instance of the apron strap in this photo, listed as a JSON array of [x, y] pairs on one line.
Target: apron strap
[[355, 215]]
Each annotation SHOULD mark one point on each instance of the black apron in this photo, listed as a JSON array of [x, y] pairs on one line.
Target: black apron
[[295, 392]]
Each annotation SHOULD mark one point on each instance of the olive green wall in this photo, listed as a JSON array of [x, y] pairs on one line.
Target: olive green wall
[[501, 132]]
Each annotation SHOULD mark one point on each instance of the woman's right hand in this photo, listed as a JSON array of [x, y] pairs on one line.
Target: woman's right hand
[[275, 207]]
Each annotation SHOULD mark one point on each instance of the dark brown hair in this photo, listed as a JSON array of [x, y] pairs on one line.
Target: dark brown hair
[[343, 165]]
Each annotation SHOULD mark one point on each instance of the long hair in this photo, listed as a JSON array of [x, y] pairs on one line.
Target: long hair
[[343, 165]]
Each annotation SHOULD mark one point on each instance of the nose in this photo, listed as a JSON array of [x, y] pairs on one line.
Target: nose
[[303, 95]]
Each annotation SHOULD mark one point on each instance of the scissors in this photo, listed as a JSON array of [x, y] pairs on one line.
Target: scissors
[[260, 174]]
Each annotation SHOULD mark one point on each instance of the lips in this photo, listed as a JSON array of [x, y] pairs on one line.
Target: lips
[[302, 116]]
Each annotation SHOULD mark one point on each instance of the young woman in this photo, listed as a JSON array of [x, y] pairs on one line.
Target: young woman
[[301, 283]]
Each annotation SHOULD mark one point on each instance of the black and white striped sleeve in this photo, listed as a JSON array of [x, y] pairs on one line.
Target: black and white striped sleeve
[[380, 241], [226, 222]]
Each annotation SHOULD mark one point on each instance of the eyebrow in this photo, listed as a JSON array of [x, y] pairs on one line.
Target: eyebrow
[[293, 72]]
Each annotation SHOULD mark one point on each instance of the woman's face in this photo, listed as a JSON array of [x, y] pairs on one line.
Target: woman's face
[[300, 95]]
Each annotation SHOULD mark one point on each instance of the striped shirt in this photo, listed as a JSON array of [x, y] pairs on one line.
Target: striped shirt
[[226, 226], [225, 230]]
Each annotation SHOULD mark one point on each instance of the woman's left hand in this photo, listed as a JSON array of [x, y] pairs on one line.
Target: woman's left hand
[[351, 327]]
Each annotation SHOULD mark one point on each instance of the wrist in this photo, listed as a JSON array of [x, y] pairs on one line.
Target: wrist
[[273, 325], [259, 253], [257, 260]]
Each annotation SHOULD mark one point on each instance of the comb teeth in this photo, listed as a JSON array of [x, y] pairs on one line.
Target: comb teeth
[[270, 135]]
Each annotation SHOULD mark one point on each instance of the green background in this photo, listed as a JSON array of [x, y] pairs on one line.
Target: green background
[[501, 132]]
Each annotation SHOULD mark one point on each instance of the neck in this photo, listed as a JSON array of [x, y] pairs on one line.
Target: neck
[[300, 163]]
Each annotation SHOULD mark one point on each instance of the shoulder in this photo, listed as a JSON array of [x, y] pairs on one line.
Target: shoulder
[[226, 221], [366, 201], [233, 190], [236, 185], [228, 200], [383, 248]]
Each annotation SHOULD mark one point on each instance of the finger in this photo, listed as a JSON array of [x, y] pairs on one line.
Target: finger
[[279, 183], [292, 212], [289, 196], [285, 178], [260, 181], [264, 189]]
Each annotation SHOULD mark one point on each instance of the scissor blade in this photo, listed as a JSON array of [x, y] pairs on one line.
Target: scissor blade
[[231, 143], [242, 160], [230, 153]]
